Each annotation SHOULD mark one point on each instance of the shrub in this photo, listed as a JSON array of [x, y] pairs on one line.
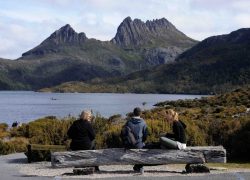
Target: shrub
[[20, 144], [3, 130], [240, 146], [6, 148]]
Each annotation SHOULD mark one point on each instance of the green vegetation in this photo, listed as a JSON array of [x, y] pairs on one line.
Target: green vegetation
[[216, 120], [220, 120], [86, 88]]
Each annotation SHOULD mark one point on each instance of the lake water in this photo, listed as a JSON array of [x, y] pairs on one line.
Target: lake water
[[24, 106]]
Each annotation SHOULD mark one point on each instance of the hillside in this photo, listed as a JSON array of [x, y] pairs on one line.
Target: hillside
[[215, 65], [70, 56], [238, 97], [218, 120]]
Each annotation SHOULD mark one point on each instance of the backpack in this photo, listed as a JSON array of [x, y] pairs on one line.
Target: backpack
[[128, 138]]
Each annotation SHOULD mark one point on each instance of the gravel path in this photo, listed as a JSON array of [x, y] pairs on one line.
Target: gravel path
[[15, 166], [10, 166]]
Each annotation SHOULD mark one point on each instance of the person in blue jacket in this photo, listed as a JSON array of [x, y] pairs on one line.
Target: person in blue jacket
[[138, 127]]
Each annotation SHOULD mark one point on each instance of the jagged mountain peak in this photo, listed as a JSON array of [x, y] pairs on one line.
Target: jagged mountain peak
[[161, 21], [158, 33], [66, 34], [133, 33], [129, 22], [66, 26], [128, 19], [67, 29]]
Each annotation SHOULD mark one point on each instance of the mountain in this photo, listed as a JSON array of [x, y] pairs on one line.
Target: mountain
[[136, 33], [66, 35], [215, 65], [6, 81], [158, 41], [70, 56]]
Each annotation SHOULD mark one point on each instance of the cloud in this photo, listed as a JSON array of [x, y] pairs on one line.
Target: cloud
[[242, 20], [18, 36]]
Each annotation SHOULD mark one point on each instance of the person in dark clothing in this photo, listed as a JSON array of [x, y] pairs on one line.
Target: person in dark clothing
[[176, 140], [139, 130], [14, 124], [82, 133]]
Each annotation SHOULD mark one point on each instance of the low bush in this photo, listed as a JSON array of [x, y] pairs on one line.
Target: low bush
[[6, 148]]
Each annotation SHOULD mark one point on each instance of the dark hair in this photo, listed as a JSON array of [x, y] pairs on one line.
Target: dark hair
[[137, 111]]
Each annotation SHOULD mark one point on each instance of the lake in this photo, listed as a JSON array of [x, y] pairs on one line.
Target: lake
[[24, 106]]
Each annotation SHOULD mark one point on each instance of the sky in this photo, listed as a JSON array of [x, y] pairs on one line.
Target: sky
[[24, 24]]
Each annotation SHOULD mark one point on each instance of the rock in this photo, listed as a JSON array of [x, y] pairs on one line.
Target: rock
[[116, 61], [157, 56], [135, 33], [66, 34], [83, 171], [197, 168]]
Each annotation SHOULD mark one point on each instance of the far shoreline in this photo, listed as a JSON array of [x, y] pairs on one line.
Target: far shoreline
[[56, 92]]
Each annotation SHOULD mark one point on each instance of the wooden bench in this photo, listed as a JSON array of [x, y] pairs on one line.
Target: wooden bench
[[120, 156], [38, 152]]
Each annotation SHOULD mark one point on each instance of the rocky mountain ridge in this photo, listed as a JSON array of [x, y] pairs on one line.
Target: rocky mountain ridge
[[215, 65], [66, 35], [70, 56], [134, 33]]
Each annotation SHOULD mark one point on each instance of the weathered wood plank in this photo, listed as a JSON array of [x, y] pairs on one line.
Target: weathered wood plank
[[124, 157], [119, 156], [212, 154]]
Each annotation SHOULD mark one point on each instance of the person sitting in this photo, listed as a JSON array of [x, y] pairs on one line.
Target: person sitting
[[82, 133], [14, 124], [176, 140], [138, 128]]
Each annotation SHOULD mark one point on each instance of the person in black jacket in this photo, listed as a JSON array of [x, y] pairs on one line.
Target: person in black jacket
[[82, 133], [176, 140]]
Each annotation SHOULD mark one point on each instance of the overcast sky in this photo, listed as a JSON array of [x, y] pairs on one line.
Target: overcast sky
[[26, 23]]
